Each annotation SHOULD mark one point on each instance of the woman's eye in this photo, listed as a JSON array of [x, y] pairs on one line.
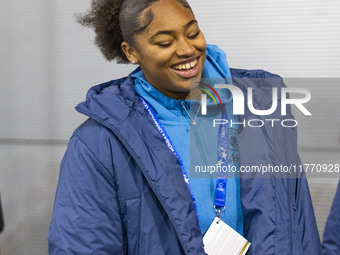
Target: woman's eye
[[194, 35], [165, 45]]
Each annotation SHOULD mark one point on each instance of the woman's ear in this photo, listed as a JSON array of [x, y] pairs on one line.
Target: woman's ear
[[130, 52]]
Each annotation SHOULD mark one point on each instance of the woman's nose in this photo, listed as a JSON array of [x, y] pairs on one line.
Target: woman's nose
[[185, 48]]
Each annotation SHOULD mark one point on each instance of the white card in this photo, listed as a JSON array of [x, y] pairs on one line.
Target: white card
[[220, 239]]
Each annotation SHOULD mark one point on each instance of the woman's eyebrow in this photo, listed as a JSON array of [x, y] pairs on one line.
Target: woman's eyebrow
[[167, 32], [189, 23]]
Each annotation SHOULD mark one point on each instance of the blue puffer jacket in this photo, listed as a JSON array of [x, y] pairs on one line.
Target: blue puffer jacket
[[331, 236], [121, 190]]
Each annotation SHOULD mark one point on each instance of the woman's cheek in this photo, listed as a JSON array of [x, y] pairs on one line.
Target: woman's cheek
[[203, 44], [164, 59]]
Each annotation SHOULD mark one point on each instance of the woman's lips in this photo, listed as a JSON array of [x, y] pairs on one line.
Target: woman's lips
[[188, 73]]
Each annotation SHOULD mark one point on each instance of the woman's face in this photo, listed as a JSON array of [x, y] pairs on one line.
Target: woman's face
[[172, 49]]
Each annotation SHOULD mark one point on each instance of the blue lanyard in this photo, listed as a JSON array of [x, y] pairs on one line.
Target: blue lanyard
[[222, 156], [221, 183], [171, 147]]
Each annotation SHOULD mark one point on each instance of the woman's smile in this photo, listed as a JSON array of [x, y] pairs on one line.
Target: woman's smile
[[188, 69]]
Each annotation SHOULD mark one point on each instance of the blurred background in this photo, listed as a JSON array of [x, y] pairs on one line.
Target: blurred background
[[48, 62]]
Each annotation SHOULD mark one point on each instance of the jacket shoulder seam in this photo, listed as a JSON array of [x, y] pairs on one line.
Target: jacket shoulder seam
[[93, 154]]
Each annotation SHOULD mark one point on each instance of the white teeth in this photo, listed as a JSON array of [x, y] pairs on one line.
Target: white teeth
[[186, 66]]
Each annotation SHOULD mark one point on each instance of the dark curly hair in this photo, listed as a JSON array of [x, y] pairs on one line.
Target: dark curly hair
[[115, 21]]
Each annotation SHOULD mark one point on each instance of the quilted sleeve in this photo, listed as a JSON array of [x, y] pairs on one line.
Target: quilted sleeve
[[86, 216]]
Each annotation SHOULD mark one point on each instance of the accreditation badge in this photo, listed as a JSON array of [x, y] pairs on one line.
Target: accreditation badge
[[220, 239]]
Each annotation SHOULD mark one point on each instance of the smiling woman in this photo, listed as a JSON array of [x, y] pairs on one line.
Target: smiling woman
[[124, 187], [171, 50]]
